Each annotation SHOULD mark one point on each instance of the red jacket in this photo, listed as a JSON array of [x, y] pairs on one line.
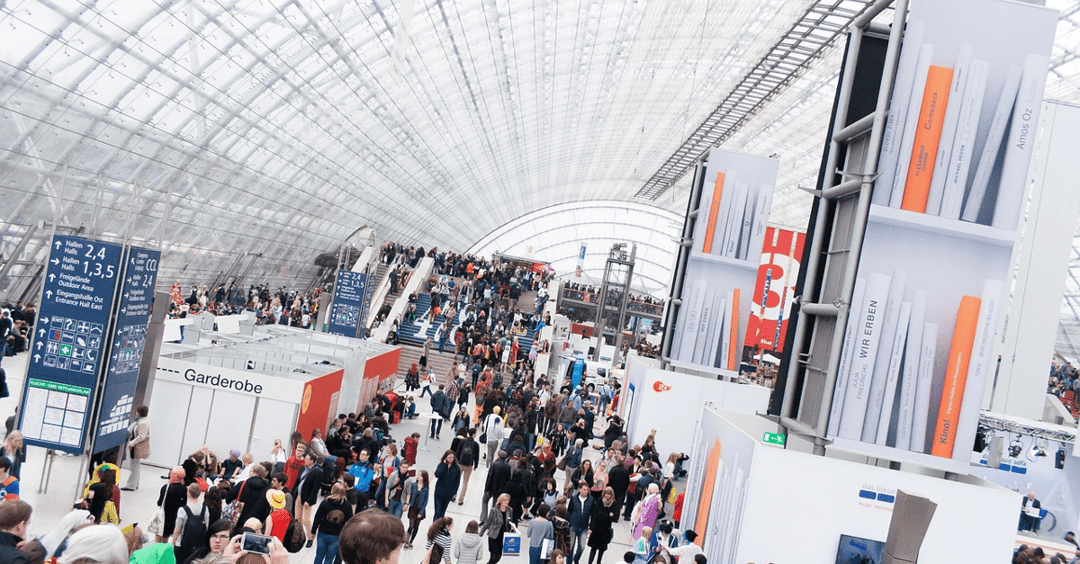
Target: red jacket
[[408, 451]]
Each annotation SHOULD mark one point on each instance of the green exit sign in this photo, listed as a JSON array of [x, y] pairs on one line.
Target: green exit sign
[[774, 439]]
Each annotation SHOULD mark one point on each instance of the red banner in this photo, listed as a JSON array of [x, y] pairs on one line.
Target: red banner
[[317, 408], [774, 290]]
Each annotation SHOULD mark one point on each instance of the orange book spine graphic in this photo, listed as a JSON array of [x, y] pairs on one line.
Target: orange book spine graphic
[[705, 503], [714, 210], [952, 394], [924, 153], [733, 348]]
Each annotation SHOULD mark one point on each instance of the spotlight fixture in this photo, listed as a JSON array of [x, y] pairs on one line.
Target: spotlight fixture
[[1016, 447]]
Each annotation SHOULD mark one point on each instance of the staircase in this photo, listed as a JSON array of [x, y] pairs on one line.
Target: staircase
[[440, 363], [416, 333], [392, 296]]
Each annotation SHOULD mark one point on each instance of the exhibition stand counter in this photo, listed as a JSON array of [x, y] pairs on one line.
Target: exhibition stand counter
[[755, 502]]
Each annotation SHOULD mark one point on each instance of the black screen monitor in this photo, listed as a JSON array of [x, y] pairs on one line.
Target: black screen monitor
[[857, 550]]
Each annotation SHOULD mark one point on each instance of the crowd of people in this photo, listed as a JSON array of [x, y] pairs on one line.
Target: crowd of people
[[282, 307]]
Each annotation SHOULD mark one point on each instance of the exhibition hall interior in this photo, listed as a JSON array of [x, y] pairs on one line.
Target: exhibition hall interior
[[732, 282]]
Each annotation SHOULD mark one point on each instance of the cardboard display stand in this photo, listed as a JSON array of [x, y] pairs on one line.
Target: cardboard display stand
[[761, 503]]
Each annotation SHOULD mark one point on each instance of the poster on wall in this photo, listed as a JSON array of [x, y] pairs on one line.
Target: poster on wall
[[774, 290]]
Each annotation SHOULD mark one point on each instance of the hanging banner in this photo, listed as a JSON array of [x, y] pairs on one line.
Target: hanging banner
[[347, 307], [126, 347], [80, 284], [774, 290]]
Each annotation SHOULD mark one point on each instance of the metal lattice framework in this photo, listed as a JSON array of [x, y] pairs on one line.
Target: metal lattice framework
[[249, 136]]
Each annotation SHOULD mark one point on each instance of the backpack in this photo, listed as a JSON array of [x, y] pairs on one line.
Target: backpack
[[294, 537], [468, 454], [194, 535]]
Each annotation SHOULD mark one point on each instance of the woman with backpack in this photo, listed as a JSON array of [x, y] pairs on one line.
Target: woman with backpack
[[331, 516], [439, 535], [414, 502]]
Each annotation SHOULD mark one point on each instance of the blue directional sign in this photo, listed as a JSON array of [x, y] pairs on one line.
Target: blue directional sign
[[126, 347], [69, 336], [348, 305]]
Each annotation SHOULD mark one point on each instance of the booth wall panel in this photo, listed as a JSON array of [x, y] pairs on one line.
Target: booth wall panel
[[320, 396], [166, 438], [229, 425], [274, 419], [198, 421]]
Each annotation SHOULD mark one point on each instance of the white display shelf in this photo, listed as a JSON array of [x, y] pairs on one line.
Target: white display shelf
[[939, 226], [733, 374], [726, 261], [899, 455]]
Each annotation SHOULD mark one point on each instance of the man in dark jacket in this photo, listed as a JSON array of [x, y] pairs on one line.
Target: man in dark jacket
[[580, 511], [440, 405], [619, 482], [14, 518], [468, 458], [497, 478], [307, 488], [253, 494]]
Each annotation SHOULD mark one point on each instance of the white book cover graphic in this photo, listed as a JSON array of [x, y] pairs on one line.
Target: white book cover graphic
[[1021, 143], [994, 136], [725, 330], [716, 342], [919, 420], [714, 327], [747, 223], [898, 109], [731, 240], [961, 157], [761, 222], [961, 77], [909, 381], [981, 365], [703, 327], [866, 338], [846, 353], [690, 326], [880, 374], [896, 359], [911, 125]]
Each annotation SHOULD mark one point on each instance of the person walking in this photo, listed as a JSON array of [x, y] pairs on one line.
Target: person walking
[[580, 512], [330, 518], [138, 446], [493, 429], [469, 549], [448, 478], [540, 530], [415, 503], [498, 522], [307, 490], [497, 478], [468, 457], [605, 514]]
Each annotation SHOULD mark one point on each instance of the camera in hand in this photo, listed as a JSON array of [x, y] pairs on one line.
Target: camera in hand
[[255, 543]]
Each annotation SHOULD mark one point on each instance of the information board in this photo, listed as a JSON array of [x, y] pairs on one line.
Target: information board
[[348, 306], [126, 347], [80, 283]]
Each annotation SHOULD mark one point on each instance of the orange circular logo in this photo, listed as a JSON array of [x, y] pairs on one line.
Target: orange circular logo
[[307, 399], [660, 386]]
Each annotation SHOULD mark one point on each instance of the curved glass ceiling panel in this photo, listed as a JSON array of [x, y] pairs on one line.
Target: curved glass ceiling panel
[[555, 235]]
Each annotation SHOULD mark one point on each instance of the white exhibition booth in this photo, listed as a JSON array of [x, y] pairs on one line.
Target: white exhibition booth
[[244, 392], [672, 403], [756, 502]]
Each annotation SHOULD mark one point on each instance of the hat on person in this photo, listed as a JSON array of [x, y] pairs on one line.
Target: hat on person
[[495, 409], [235, 453], [276, 499]]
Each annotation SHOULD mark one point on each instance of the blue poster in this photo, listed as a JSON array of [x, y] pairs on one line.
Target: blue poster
[[126, 348], [57, 400], [579, 368], [347, 308]]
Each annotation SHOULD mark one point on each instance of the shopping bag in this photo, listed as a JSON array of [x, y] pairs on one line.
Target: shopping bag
[[512, 543]]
